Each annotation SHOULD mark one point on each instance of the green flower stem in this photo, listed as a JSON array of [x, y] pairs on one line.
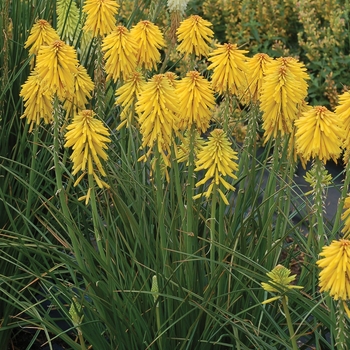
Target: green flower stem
[[189, 191], [159, 326], [344, 193], [319, 202], [341, 328], [212, 230], [32, 173], [99, 79], [162, 235], [60, 189], [81, 339], [95, 218], [289, 323], [190, 237]]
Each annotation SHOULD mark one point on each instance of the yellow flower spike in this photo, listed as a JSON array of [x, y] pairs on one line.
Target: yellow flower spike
[[343, 112], [194, 35], [346, 218], [335, 269], [88, 138], [157, 108], [256, 71], [284, 88], [100, 19], [229, 68], [41, 34], [149, 40], [319, 134], [83, 87], [197, 101], [280, 279], [120, 53], [56, 65], [126, 97], [37, 101], [218, 159]]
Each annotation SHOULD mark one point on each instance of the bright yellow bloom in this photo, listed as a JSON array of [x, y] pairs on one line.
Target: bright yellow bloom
[[100, 19], [229, 68], [126, 97], [194, 34], [319, 134], [256, 70], [346, 218], [157, 108], [279, 282], [218, 159], [83, 86], [38, 101], [68, 19], [343, 112], [284, 89], [120, 54], [56, 65], [41, 34], [88, 138], [335, 265], [149, 40], [197, 101]]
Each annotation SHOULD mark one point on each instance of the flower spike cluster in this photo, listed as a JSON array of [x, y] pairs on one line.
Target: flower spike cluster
[[100, 19], [41, 34], [83, 86], [279, 282], [319, 134], [194, 34], [256, 71], [120, 54], [150, 40], [343, 112], [229, 68], [196, 101], [217, 158], [56, 65], [335, 265], [284, 89], [37, 101], [157, 108], [88, 138], [126, 97], [346, 218]]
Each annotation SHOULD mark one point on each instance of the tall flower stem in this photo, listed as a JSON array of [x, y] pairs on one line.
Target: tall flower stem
[[161, 232], [344, 192], [190, 236], [212, 231], [32, 172], [95, 217], [341, 328], [289, 323], [319, 201], [99, 79], [60, 189]]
